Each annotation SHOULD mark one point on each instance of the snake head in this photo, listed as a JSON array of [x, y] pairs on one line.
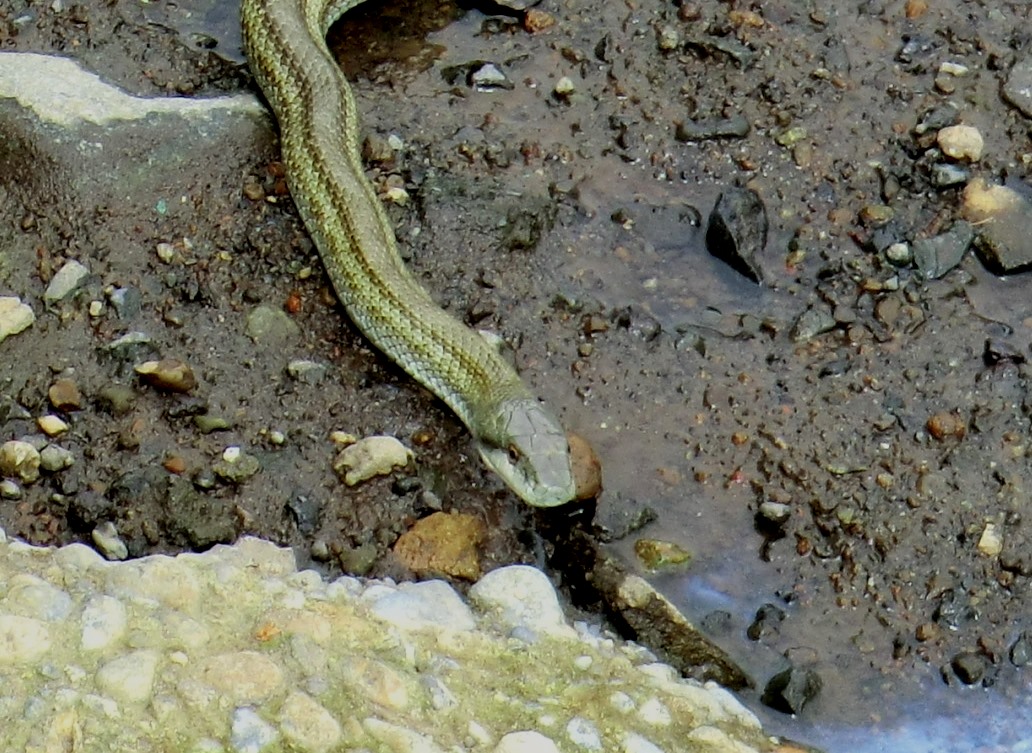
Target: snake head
[[527, 447]]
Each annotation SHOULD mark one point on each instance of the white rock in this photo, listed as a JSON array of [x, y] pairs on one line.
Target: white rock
[[22, 639], [526, 742], [583, 733], [130, 678], [67, 280], [399, 739], [19, 460], [430, 605], [372, 456], [103, 623], [307, 724], [250, 733], [15, 316], [30, 596], [521, 597], [961, 142], [634, 743], [990, 543]]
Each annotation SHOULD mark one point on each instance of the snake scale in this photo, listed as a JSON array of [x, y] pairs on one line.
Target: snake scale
[[516, 435]]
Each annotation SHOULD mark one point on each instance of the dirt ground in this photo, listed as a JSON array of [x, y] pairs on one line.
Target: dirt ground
[[565, 208]]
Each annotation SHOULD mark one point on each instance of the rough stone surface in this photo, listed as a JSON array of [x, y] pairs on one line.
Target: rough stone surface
[[234, 649]]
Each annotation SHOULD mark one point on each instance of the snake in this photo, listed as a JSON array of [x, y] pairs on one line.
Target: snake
[[516, 434]]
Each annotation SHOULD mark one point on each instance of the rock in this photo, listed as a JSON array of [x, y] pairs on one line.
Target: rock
[[521, 597], [766, 623], [427, 605], [399, 739], [236, 466], [372, 456], [104, 622], [937, 256], [24, 640], [1017, 89], [308, 725], [241, 677], [656, 555], [945, 425], [488, 77], [525, 742], [564, 88], [249, 733], [969, 667], [583, 734], [307, 372], [990, 543], [15, 316], [64, 395], [19, 460], [812, 322], [9, 489], [961, 142], [271, 327], [106, 538], [67, 280], [1003, 217], [30, 596], [657, 623], [129, 678], [736, 127], [169, 374], [443, 543], [1021, 650], [587, 468], [737, 232], [790, 690], [51, 425], [53, 459]]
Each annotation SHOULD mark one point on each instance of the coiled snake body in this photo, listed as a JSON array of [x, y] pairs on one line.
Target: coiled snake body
[[516, 435]]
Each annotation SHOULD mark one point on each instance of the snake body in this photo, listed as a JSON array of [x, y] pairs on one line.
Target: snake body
[[517, 436]]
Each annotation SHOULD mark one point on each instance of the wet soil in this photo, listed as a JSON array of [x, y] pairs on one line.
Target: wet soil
[[573, 224]]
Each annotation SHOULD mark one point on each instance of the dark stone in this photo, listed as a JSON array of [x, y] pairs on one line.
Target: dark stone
[[735, 127], [1017, 90], [87, 510], [197, 519], [969, 667], [717, 622], [737, 232], [954, 609], [936, 256], [305, 512], [789, 691], [767, 622]]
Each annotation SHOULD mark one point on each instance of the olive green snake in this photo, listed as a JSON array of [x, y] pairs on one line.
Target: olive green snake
[[516, 435]]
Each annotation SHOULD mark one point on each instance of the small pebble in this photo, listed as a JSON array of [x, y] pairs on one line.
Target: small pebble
[[20, 460], [168, 374], [53, 458], [106, 538], [369, 457], [961, 142], [67, 280], [64, 395], [51, 425]]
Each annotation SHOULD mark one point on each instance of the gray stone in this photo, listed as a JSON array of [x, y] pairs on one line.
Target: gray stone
[[250, 733], [937, 256], [583, 733], [53, 458], [634, 743], [272, 327], [1017, 89]]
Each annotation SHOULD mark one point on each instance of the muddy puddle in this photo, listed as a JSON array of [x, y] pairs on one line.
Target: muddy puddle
[[830, 446]]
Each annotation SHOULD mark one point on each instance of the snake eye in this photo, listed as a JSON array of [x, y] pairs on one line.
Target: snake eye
[[514, 454]]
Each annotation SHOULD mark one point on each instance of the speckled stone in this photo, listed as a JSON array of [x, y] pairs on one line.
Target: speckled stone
[[103, 623], [243, 677], [22, 639]]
